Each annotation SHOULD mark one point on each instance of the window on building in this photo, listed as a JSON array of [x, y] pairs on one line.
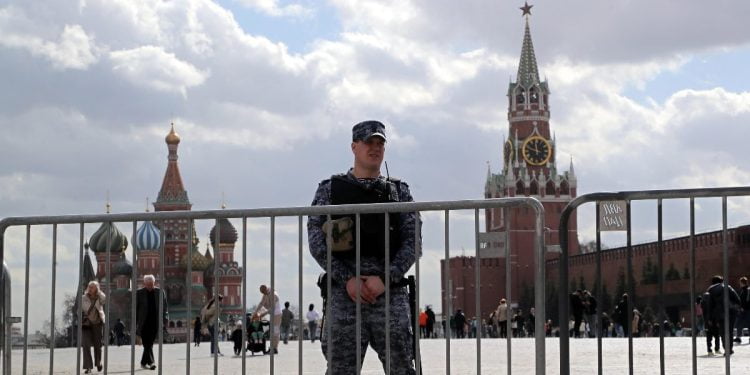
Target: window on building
[[550, 189], [534, 188], [564, 189], [520, 190]]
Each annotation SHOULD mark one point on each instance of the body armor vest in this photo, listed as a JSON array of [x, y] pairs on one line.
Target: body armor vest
[[372, 226]]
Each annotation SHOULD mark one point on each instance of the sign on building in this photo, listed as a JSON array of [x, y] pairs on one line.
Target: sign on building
[[492, 245], [613, 216]]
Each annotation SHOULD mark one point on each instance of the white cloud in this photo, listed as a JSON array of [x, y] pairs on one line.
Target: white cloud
[[151, 66], [72, 48], [272, 8]]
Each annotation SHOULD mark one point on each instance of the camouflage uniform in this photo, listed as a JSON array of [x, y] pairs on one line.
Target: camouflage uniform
[[343, 310]]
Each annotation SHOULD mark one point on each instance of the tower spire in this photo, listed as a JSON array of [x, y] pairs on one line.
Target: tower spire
[[172, 191], [528, 73], [571, 170]]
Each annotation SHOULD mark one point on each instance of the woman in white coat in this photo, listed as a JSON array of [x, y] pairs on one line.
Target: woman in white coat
[[92, 321]]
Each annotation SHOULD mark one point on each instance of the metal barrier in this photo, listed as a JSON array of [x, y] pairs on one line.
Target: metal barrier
[[628, 197], [271, 214], [5, 318]]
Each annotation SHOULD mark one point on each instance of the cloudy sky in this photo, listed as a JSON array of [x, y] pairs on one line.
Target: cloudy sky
[[645, 95]]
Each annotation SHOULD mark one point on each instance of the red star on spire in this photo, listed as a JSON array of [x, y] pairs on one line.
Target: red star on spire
[[526, 8]]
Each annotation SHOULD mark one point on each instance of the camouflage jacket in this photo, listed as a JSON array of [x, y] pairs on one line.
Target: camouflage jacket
[[344, 269]]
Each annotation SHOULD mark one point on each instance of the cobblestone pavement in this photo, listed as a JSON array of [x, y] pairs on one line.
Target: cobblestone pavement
[[463, 358]]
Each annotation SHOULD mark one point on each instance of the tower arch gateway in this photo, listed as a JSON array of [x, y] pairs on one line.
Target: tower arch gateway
[[529, 168]]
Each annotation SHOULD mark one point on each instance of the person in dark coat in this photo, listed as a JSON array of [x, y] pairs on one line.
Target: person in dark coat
[[743, 318], [236, 337], [430, 321], [119, 332], [716, 308], [576, 308], [147, 318], [459, 320], [197, 327], [589, 309], [531, 322], [620, 317], [712, 332]]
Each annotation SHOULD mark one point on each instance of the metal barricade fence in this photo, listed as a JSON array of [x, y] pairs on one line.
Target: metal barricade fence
[[627, 197], [271, 213]]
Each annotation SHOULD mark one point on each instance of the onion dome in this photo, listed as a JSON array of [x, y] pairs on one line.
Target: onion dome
[[228, 234], [122, 268], [199, 262], [147, 237], [108, 234], [172, 138]]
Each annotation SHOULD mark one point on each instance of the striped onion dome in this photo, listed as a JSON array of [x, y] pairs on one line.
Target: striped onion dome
[[199, 262], [147, 237], [108, 234]]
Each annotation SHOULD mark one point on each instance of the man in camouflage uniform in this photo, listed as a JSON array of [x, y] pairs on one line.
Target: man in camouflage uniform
[[365, 184]]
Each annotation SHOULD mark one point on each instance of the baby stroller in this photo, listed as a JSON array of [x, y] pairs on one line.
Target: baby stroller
[[256, 336]]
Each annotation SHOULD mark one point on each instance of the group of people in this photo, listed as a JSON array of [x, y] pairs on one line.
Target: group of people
[[521, 325], [711, 319], [147, 323], [427, 323], [93, 321]]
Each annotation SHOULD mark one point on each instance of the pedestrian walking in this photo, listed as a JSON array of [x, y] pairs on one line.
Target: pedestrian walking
[[312, 322], [531, 322], [501, 316], [620, 317], [743, 317], [286, 322], [716, 309], [209, 315], [589, 308], [119, 330], [430, 321], [459, 319], [147, 318], [576, 308], [92, 321], [197, 331], [422, 323], [236, 337]]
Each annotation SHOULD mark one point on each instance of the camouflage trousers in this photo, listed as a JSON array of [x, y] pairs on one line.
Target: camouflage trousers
[[343, 327]]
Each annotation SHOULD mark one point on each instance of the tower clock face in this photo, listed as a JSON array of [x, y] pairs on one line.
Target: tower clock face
[[536, 150], [508, 151]]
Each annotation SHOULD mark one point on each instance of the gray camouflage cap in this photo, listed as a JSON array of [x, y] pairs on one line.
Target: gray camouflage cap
[[366, 129]]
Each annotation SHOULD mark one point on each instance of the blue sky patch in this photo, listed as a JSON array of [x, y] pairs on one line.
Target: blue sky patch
[[704, 71], [297, 33]]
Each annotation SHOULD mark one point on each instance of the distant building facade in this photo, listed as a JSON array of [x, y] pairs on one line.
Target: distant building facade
[[172, 236]]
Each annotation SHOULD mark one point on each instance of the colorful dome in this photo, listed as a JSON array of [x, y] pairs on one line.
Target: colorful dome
[[122, 268], [228, 234], [199, 262], [172, 138], [108, 233], [147, 237]]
